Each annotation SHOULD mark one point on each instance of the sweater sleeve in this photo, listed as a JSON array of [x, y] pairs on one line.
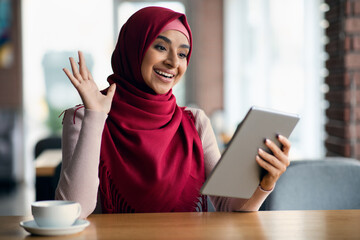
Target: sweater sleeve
[[81, 139], [211, 157]]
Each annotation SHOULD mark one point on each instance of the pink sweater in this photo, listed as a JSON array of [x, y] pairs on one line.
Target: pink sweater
[[82, 133]]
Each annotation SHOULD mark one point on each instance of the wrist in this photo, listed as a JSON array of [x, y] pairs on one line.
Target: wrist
[[266, 186]]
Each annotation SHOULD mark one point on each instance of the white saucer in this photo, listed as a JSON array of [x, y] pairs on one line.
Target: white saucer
[[33, 228]]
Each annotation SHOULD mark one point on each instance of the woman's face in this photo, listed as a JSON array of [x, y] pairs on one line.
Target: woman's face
[[165, 61]]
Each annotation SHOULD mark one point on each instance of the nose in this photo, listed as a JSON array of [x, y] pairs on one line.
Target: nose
[[172, 59]]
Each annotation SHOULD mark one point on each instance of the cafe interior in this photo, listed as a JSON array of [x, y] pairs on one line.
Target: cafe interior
[[298, 56]]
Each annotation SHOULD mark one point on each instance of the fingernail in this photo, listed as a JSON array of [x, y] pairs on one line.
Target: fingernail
[[260, 150]]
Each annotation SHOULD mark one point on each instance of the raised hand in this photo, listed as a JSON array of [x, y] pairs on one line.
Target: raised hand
[[89, 92], [275, 164]]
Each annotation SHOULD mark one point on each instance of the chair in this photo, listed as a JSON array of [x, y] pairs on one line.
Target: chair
[[332, 183], [53, 142], [210, 206], [45, 186]]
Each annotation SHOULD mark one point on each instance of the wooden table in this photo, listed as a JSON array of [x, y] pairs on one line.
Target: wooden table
[[45, 166], [47, 161], [332, 224]]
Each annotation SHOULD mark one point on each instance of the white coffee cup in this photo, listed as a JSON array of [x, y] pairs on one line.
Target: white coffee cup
[[55, 213]]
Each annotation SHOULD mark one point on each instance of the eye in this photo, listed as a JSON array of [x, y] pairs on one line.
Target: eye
[[182, 55], [160, 47]]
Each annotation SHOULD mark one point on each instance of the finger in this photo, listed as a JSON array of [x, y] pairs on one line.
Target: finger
[[266, 165], [74, 69], [277, 152], [111, 91], [280, 154], [73, 80], [82, 65], [286, 145], [272, 170], [89, 74], [271, 159]]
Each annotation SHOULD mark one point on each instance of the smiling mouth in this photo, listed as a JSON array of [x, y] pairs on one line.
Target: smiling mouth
[[164, 74]]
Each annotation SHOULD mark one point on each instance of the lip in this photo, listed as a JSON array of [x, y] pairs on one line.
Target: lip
[[162, 78]]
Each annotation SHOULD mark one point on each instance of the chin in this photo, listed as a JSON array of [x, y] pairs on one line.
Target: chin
[[161, 92]]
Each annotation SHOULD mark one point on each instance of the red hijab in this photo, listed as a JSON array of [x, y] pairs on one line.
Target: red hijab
[[151, 157]]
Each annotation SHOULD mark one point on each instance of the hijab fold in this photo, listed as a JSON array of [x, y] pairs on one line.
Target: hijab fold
[[151, 157]]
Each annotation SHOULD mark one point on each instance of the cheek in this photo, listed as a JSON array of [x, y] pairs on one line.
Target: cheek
[[145, 69], [183, 69]]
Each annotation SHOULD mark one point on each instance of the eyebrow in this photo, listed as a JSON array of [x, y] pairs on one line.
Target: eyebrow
[[169, 41]]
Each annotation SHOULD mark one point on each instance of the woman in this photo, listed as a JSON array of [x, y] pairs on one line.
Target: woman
[[131, 148]]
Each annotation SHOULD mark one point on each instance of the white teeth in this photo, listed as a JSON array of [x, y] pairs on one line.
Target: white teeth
[[168, 75]]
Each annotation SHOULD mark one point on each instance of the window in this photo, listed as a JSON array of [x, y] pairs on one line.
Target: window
[[274, 58], [53, 31]]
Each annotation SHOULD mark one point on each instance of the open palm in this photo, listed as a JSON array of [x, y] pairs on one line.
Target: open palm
[[89, 92]]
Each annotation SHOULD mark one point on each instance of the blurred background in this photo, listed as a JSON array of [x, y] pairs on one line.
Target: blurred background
[[294, 56]]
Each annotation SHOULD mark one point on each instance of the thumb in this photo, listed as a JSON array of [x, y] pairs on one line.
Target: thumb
[[111, 91]]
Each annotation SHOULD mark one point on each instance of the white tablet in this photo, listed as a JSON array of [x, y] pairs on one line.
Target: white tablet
[[237, 173]]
